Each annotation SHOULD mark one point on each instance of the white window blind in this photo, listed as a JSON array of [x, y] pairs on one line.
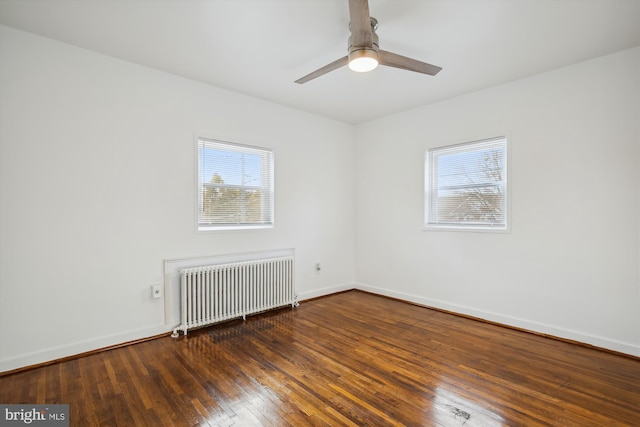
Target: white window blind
[[235, 186], [466, 185]]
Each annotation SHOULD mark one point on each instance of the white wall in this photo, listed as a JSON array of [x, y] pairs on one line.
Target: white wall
[[569, 267], [97, 190]]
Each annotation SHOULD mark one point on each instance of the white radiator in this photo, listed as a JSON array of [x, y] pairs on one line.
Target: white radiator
[[214, 293]]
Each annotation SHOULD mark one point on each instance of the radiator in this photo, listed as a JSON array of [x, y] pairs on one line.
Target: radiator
[[215, 293]]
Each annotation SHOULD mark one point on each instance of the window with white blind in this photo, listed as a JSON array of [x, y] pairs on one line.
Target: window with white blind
[[235, 186], [466, 186]]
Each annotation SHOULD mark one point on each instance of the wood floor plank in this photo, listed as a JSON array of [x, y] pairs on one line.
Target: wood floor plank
[[349, 359]]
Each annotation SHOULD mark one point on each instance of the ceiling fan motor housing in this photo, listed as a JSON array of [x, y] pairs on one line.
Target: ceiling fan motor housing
[[353, 50]]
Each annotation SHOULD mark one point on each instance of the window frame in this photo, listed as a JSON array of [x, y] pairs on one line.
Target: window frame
[[268, 187], [466, 147]]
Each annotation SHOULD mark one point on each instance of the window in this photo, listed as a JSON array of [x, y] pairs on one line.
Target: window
[[235, 186], [466, 186]]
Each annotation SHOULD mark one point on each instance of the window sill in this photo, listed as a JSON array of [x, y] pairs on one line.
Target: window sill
[[234, 227], [469, 229]]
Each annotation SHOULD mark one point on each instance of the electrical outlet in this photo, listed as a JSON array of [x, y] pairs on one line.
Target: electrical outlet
[[156, 291]]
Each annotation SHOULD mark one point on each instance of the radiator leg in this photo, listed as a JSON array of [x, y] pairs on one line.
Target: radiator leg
[[176, 333]]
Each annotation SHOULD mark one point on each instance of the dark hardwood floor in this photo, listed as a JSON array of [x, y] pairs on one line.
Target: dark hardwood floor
[[347, 359]]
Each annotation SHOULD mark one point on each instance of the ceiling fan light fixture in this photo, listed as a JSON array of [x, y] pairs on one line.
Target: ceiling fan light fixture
[[364, 50], [363, 60]]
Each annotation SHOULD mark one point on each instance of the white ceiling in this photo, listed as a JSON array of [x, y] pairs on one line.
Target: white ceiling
[[259, 47]]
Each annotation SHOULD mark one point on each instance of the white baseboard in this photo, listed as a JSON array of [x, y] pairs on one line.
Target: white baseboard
[[533, 326], [53, 353], [326, 291]]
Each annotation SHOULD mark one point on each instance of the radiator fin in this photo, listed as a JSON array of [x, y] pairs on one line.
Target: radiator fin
[[215, 293]]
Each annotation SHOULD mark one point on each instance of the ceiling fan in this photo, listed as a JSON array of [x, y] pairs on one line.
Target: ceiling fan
[[364, 51]]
